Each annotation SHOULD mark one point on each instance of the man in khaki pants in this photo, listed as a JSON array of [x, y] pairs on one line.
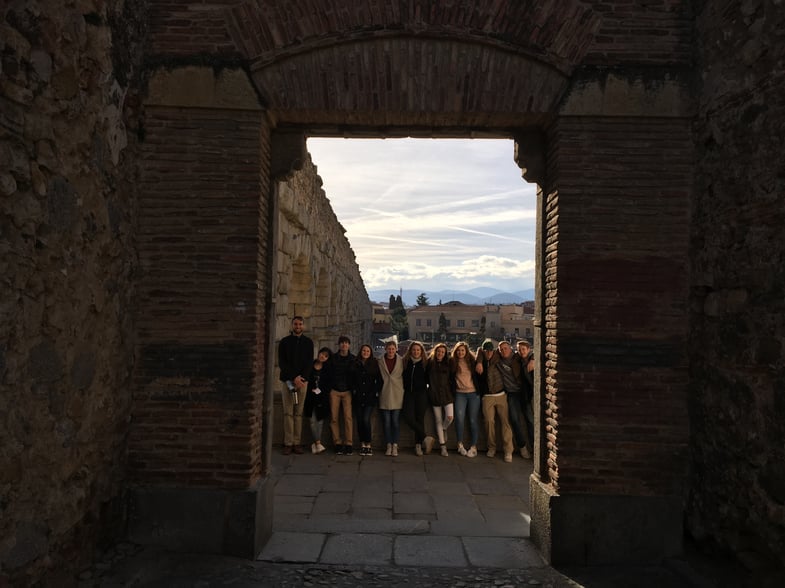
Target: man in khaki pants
[[492, 366], [295, 358]]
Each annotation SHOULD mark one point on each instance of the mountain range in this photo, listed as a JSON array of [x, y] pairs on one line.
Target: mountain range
[[473, 296]]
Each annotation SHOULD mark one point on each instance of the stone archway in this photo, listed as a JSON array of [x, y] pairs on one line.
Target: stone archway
[[603, 129]]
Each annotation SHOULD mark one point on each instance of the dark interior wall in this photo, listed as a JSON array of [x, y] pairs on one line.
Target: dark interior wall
[[737, 501], [66, 269]]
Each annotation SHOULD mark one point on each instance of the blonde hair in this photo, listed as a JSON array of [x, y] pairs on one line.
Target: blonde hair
[[469, 359], [432, 354], [408, 355]]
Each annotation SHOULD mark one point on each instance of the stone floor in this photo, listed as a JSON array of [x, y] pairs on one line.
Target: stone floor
[[381, 521]]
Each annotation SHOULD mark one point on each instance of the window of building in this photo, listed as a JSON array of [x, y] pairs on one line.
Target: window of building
[[475, 323], [418, 322], [461, 323], [447, 321], [428, 323]]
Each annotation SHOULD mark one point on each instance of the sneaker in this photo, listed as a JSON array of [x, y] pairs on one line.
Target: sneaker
[[461, 449], [298, 449], [368, 451], [447, 423], [389, 449], [314, 449], [339, 450], [508, 457], [347, 450], [491, 453], [395, 450], [444, 451], [320, 447], [287, 450], [429, 444], [525, 453], [472, 452], [418, 450]]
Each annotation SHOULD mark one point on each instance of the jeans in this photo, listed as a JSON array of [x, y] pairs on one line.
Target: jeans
[[391, 419], [364, 423], [520, 429], [470, 400], [438, 411], [316, 427], [415, 405]]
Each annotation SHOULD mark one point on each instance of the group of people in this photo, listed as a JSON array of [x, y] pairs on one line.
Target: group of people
[[454, 384]]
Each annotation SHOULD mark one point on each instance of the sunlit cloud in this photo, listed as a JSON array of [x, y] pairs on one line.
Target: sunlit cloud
[[446, 214]]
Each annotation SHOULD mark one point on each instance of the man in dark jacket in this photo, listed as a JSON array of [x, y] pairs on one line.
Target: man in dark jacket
[[295, 358]]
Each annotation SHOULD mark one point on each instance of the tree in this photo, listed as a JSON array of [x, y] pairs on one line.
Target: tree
[[422, 300], [442, 326], [398, 322]]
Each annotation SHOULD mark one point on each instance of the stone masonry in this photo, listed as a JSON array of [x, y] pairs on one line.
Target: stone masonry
[[317, 274]]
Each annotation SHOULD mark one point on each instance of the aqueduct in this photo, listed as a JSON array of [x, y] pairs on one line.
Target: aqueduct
[[193, 113]]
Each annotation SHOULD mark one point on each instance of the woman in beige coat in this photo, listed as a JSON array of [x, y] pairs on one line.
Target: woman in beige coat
[[391, 396]]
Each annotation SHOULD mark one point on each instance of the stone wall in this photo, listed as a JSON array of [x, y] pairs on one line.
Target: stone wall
[[316, 271], [66, 276], [738, 308]]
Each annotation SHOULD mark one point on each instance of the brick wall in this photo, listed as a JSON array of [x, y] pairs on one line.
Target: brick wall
[[203, 197], [616, 282], [642, 33]]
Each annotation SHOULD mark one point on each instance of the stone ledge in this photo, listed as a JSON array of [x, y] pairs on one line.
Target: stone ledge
[[586, 529]]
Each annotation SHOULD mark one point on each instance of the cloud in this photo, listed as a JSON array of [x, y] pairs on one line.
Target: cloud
[[484, 270], [441, 213]]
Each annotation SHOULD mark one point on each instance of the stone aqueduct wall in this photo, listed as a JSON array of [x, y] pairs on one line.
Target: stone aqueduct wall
[[318, 276], [67, 281], [737, 359], [68, 269]]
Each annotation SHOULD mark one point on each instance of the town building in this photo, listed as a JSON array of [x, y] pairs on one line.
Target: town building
[[455, 321]]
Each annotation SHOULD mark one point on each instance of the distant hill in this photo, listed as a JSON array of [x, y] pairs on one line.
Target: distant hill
[[473, 296]]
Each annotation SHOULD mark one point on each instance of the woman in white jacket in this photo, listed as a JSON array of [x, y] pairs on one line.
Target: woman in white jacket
[[391, 396]]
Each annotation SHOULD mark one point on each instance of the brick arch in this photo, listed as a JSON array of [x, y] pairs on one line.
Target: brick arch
[[610, 151], [556, 33]]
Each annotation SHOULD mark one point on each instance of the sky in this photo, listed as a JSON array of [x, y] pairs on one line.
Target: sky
[[427, 214]]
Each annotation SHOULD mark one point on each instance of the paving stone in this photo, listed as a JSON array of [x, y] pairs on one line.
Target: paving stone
[[499, 552], [331, 503], [351, 548], [409, 481], [299, 485], [293, 547], [429, 551], [412, 503]]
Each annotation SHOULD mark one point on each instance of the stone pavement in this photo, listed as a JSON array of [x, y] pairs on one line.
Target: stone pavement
[[382, 521]]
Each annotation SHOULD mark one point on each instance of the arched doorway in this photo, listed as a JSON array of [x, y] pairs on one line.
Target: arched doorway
[[610, 150]]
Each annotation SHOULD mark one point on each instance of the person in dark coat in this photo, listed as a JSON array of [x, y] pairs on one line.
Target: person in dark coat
[[317, 402], [415, 392], [367, 385], [295, 358], [340, 373], [440, 391]]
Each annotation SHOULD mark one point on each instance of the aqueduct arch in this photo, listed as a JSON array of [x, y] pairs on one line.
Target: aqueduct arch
[[602, 127]]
